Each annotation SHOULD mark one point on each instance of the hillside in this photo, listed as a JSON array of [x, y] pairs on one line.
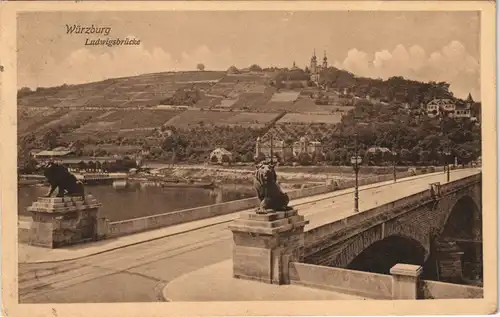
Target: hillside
[[136, 91], [199, 111]]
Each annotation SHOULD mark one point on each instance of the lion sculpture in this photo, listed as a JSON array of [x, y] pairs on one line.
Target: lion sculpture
[[59, 177], [269, 192]]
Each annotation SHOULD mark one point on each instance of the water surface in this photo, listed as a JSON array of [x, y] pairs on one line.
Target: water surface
[[139, 200]]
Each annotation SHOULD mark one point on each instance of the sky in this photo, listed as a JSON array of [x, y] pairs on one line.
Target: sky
[[425, 46]]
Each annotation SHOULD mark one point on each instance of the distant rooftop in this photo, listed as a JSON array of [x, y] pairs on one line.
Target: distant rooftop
[[53, 153], [373, 149]]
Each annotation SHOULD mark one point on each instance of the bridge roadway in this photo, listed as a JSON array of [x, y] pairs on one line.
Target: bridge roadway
[[139, 272]]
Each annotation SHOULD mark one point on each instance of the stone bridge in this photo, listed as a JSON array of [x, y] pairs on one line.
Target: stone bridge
[[408, 226], [442, 223]]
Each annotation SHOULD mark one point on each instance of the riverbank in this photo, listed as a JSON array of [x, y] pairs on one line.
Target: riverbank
[[288, 176]]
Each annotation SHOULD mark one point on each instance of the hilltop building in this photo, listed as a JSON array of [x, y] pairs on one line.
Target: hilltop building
[[316, 68], [450, 108]]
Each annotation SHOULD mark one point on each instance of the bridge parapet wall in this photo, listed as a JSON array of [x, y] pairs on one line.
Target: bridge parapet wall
[[365, 284], [460, 183], [119, 228], [440, 290], [375, 286], [331, 233], [130, 226]]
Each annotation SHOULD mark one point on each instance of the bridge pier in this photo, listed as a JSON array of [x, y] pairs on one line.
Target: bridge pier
[[265, 244], [449, 257]]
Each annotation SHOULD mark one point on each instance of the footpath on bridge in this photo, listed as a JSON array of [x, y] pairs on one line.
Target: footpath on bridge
[[31, 254], [218, 280]]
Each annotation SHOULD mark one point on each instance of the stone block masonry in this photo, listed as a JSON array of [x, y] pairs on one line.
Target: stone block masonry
[[61, 221], [265, 245], [405, 281]]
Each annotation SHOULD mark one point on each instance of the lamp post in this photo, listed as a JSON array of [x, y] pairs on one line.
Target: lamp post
[[355, 161], [271, 150], [444, 162], [394, 165], [447, 155]]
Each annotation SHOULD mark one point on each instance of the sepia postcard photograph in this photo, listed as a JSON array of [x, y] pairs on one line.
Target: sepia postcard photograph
[[248, 158]]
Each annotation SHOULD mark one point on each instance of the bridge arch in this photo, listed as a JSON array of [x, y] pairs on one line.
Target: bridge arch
[[383, 254], [463, 220], [461, 232]]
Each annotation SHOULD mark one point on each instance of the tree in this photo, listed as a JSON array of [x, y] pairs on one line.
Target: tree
[[236, 157], [425, 157], [415, 154], [405, 156], [247, 157], [259, 158], [225, 158], [200, 67], [339, 156], [317, 157], [375, 92], [28, 165], [233, 70], [78, 147], [50, 139], [255, 68], [24, 92], [288, 158], [304, 159]]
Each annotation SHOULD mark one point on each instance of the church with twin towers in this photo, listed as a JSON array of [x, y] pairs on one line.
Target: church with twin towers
[[315, 68]]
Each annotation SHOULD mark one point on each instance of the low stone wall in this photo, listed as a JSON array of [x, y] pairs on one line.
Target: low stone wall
[[343, 184], [365, 284], [457, 184], [130, 226], [311, 191], [376, 286], [440, 290]]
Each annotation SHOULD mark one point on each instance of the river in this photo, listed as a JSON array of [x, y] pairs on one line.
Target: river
[[138, 200]]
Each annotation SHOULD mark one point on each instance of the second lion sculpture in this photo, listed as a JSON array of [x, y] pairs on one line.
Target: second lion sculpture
[[268, 191], [60, 178]]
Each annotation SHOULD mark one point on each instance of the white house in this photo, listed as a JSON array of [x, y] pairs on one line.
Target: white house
[[462, 113], [220, 155], [436, 105]]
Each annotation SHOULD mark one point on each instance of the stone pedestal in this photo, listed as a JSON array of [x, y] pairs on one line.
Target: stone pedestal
[[61, 221], [405, 281], [264, 245]]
